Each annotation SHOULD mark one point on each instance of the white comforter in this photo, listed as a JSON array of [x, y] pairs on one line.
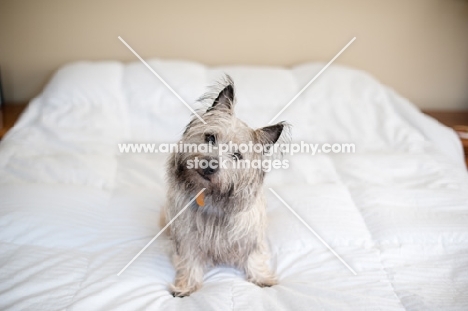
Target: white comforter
[[74, 211]]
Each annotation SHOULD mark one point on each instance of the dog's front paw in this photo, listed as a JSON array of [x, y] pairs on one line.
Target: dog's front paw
[[178, 294], [266, 283], [181, 292]]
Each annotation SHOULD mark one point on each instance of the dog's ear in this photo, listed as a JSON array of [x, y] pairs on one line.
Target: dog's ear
[[225, 99], [269, 135]]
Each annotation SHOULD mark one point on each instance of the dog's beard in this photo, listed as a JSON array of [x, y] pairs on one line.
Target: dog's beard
[[223, 191], [193, 181]]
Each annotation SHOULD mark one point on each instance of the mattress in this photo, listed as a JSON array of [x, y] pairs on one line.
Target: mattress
[[74, 210]]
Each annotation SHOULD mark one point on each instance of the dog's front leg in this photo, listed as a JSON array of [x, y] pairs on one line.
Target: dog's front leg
[[189, 275], [257, 270]]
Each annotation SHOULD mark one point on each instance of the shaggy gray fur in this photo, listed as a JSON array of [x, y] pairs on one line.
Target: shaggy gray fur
[[230, 227]]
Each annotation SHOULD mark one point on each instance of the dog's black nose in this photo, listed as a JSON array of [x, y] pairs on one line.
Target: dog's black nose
[[209, 171], [208, 167]]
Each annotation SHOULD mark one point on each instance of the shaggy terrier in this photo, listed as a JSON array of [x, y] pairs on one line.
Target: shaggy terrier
[[226, 223]]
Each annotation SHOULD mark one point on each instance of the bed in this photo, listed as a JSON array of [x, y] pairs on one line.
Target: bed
[[74, 210]]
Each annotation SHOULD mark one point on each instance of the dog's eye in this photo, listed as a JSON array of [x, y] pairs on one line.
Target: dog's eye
[[237, 156], [210, 139]]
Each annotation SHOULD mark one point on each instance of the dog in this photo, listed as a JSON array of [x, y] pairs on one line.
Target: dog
[[226, 224]]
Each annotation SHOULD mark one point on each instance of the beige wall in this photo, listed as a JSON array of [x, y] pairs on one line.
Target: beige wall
[[419, 47]]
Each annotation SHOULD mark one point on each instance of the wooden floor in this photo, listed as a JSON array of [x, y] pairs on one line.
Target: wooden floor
[[10, 113]]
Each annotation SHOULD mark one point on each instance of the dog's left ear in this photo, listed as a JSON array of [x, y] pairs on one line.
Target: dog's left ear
[[269, 135], [225, 99]]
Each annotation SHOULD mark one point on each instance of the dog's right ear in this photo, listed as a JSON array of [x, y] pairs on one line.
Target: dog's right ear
[[269, 135], [225, 99]]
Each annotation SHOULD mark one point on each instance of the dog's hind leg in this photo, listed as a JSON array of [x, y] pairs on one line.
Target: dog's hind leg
[[163, 221]]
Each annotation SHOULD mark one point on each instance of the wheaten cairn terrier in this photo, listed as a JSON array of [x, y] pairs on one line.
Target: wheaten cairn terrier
[[226, 224]]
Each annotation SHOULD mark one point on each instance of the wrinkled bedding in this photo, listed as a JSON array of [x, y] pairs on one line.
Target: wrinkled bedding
[[74, 210]]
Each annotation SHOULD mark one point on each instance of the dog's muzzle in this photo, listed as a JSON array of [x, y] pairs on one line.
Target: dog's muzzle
[[208, 166]]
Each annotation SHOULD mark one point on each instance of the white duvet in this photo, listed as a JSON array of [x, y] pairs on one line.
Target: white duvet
[[74, 211]]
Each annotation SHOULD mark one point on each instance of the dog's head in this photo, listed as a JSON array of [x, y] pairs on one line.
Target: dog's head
[[229, 158]]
